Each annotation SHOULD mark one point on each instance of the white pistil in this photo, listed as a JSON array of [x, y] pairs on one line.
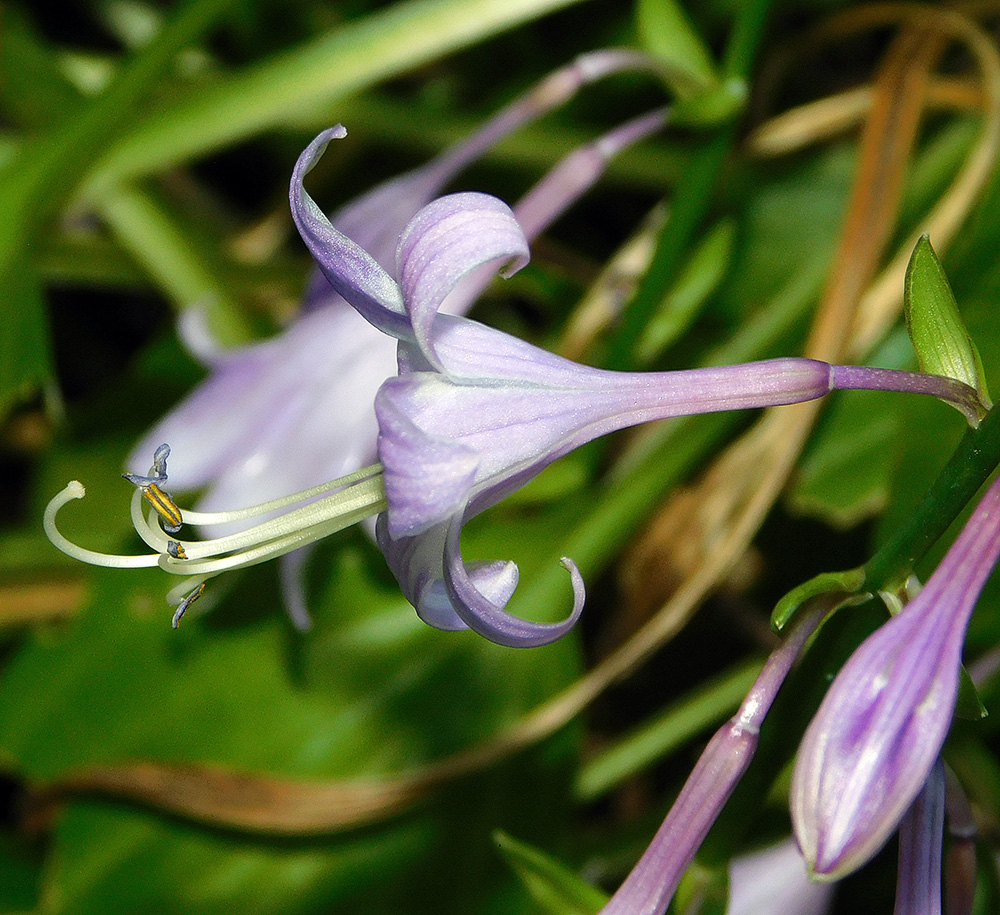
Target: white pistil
[[74, 490]]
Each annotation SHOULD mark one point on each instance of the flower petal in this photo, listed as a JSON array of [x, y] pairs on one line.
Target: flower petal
[[427, 478], [487, 616], [868, 750], [418, 564], [352, 272], [447, 240]]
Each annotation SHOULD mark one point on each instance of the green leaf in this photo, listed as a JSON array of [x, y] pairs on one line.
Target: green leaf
[[306, 81], [25, 356], [839, 583], [20, 875], [694, 713], [36, 183], [846, 473], [703, 890], [555, 888], [666, 32], [372, 691], [942, 343], [697, 280]]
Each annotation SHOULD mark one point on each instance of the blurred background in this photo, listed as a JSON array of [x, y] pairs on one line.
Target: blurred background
[[374, 764]]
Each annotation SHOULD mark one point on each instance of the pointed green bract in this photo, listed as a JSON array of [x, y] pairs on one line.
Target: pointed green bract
[[942, 343], [556, 889], [847, 584], [666, 33]]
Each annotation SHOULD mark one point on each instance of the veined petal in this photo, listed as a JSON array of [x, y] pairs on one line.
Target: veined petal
[[430, 477], [525, 408], [261, 423], [867, 752], [352, 272], [447, 240], [418, 564]]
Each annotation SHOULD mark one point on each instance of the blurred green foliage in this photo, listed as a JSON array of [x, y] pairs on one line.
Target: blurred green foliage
[[145, 151]]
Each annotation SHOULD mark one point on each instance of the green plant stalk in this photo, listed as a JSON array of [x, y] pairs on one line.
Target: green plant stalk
[[975, 458], [692, 198], [151, 235], [38, 180], [308, 79]]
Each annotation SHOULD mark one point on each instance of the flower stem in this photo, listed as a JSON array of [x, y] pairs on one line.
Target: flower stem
[[975, 458]]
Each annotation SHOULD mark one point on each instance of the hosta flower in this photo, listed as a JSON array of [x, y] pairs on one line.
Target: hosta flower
[[868, 751], [261, 421], [475, 413]]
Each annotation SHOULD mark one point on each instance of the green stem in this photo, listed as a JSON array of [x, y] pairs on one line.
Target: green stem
[[693, 196], [975, 458]]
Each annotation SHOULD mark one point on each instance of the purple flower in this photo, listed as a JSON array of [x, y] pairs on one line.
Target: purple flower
[[871, 746], [475, 413], [775, 880], [261, 421]]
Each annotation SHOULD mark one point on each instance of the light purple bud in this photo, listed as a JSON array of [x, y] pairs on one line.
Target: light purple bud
[[871, 746]]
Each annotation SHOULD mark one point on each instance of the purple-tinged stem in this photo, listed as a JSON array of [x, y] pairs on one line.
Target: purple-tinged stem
[[918, 879], [957, 393], [554, 90], [960, 864], [558, 190], [650, 886]]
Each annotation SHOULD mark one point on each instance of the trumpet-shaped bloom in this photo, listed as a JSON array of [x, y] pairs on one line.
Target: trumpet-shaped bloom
[[474, 413], [871, 746], [261, 421]]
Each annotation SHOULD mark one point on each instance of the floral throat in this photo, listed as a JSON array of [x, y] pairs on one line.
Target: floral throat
[[472, 415]]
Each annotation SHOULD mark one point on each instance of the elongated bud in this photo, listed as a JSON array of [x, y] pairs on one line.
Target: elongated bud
[[870, 748]]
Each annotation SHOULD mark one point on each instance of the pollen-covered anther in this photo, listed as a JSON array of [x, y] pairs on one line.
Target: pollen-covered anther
[[189, 599], [150, 487], [176, 549], [163, 505]]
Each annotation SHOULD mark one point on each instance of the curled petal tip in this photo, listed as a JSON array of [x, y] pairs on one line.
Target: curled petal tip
[[490, 619]]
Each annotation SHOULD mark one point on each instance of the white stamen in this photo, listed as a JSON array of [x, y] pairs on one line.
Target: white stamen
[[350, 499]]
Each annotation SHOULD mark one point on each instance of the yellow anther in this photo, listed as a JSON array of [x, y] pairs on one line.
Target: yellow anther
[[164, 506], [176, 550]]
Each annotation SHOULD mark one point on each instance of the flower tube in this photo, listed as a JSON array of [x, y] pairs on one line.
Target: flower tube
[[871, 746], [476, 413], [473, 414]]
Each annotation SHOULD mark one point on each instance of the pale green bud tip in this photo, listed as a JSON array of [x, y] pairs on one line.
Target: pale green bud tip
[[942, 343]]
